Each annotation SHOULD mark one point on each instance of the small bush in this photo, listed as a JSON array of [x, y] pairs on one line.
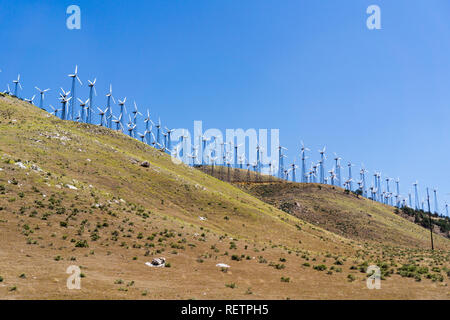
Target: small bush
[[320, 267]]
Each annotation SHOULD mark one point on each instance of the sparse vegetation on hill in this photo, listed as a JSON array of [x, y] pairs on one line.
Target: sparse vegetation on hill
[[76, 194]]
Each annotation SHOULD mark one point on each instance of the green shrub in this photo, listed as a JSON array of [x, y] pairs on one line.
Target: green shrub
[[320, 267]]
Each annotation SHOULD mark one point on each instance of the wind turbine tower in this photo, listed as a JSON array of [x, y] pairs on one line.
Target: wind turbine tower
[[41, 92], [363, 180], [91, 85], [397, 183], [350, 176], [64, 99], [416, 194], [436, 208], [280, 162], [322, 165], [122, 109], [72, 104], [303, 149], [17, 83], [338, 169], [108, 105]]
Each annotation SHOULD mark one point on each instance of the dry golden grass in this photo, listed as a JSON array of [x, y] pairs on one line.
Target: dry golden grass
[[128, 214]]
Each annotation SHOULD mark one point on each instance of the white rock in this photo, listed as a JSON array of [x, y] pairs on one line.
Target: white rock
[[20, 165], [222, 265], [202, 218], [36, 168], [71, 187]]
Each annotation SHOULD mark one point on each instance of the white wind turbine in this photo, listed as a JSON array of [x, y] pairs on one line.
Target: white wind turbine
[[30, 101], [17, 83], [72, 105], [42, 94]]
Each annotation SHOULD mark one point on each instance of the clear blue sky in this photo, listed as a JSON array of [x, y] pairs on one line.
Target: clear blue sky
[[310, 68]]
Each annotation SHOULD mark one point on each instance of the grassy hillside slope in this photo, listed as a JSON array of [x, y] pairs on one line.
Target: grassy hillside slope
[[344, 213], [76, 194]]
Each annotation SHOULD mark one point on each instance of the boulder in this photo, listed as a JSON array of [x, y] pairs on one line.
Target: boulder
[[145, 164], [157, 262]]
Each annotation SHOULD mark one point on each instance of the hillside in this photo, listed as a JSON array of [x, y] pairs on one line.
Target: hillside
[[343, 213], [333, 208], [77, 194]]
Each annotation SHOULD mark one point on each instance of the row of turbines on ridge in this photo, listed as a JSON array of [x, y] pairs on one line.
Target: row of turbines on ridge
[[381, 188]]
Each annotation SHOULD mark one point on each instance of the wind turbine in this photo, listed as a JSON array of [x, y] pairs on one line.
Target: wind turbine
[[241, 160], [379, 186], [236, 147], [17, 83], [258, 159], [8, 90], [42, 93], [78, 118], [118, 122], [322, 165], [303, 158], [280, 161], [314, 170], [397, 183], [184, 144], [332, 176], [436, 208], [416, 194], [130, 128], [213, 162], [387, 184], [363, 172], [293, 167], [158, 131], [64, 99], [109, 96], [204, 139], [122, 109], [55, 111], [154, 143], [270, 171], [135, 112], [194, 154], [147, 124], [72, 104], [350, 165], [169, 139], [84, 109], [165, 141], [338, 168], [372, 192], [102, 115], [91, 85], [30, 101], [142, 136]]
